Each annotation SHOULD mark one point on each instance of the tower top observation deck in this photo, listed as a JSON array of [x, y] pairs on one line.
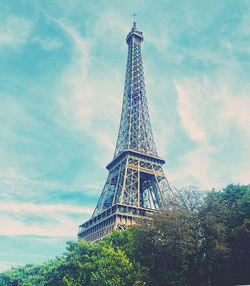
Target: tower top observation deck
[[134, 33]]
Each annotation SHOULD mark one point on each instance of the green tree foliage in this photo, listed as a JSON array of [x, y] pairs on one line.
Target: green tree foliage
[[168, 246], [102, 263], [237, 199], [48, 273], [225, 229], [204, 241], [213, 218]]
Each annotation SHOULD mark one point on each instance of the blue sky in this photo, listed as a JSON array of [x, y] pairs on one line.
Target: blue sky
[[62, 68]]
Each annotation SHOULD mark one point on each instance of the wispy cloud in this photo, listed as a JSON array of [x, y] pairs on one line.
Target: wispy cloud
[[236, 109], [60, 227], [83, 100], [48, 44], [51, 220], [35, 208], [188, 115], [196, 167], [242, 178], [208, 115], [14, 31]]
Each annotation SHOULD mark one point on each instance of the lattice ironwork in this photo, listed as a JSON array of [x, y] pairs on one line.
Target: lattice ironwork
[[136, 184], [137, 181], [135, 132]]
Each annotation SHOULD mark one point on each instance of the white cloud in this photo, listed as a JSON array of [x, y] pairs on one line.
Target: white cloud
[[56, 220], [62, 227], [243, 29], [14, 31], [236, 109], [243, 178], [74, 90], [209, 115], [196, 167], [48, 43], [110, 20], [162, 136], [82, 44], [28, 185], [14, 181], [106, 140], [83, 100], [46, 208], [187, 112]]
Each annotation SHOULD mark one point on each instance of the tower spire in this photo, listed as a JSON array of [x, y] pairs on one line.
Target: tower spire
[[135, 132], [134, 21], [136, 185]]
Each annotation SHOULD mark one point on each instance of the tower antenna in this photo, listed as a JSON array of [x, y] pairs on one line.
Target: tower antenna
[[134, 20]]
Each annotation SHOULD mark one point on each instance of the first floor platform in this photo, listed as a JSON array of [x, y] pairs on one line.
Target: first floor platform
[[117, 217]]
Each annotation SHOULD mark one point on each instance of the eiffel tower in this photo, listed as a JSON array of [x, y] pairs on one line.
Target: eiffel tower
[[136, 185]]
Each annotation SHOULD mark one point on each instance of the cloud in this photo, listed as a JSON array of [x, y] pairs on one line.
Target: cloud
[[208, 106], [196, 167], [48, 44], [34, 219], [16, 182], [243, 29], [28, 186], [85, 101], [219, 122], [14, 31], [82, 44], [62, 227], [188, 115], [37, 209], [162, 135], [110, 20], [243, 178], [75, 92], [236, 109]]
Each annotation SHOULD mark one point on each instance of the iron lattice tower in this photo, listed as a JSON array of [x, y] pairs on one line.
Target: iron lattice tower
[[136, 185]]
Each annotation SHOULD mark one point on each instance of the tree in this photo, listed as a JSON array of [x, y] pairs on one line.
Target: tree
[[213, 218], [168, 246], [225, 229], [102, 263], [237, 199], [191, 197]]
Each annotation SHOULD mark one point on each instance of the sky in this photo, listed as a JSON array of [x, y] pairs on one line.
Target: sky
[[62, 71]]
